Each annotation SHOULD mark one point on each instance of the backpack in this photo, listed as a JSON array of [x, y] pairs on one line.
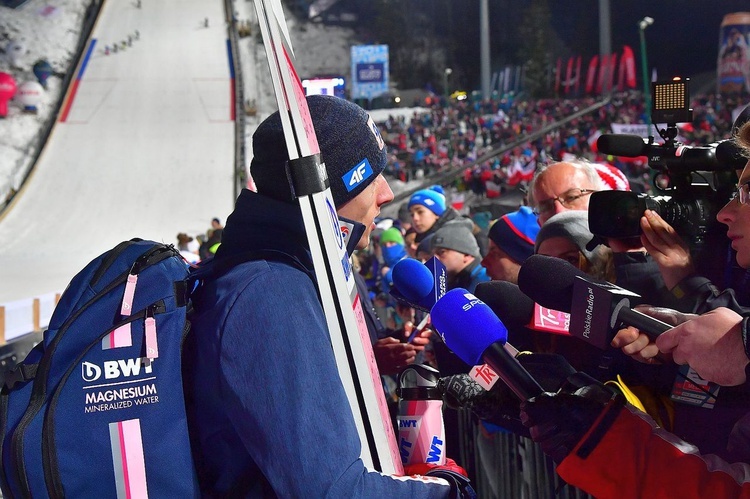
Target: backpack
[[97, 408]]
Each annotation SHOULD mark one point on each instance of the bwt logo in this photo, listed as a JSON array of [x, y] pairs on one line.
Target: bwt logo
[[357, 175], [407, 423], [112, 369]]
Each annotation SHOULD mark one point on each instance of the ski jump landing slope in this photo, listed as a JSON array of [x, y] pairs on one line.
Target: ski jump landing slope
[[145, 147]]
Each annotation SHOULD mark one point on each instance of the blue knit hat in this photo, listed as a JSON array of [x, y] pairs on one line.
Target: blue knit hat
[[515, 233], [350, 146], [430, 199]]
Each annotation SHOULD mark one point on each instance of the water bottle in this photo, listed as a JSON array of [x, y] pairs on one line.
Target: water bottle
[[421, 433]]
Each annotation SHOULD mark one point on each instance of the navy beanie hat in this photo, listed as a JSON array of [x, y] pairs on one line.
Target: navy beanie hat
[[515, 233], [430, 199], [350, 146]]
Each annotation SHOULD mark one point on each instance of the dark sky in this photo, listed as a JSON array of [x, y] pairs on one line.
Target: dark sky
[[683, 40]]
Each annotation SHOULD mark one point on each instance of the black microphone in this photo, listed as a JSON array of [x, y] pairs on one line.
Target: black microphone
[[721, 156], [596, 307], [730, 154], [622, 144], [517, 310], [474, 333]]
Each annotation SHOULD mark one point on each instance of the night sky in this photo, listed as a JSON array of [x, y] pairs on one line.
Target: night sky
[[683, 41]]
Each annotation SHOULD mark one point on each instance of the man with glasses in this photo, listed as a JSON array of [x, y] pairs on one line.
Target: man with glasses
[[568, 185], [563, 186]]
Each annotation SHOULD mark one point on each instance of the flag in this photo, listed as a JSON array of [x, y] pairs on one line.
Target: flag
[[568, 72], [591, 74], [627, 66]]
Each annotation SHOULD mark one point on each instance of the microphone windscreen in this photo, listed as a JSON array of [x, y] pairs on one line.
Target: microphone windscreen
[[626, 145], [729, 154], [413, 280], [549, 281], [508, 302], [467, 325]]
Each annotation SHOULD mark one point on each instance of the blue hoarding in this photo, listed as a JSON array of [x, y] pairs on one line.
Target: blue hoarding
[[369, 71]]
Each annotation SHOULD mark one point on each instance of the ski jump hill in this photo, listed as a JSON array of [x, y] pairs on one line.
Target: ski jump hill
[[143, 147]]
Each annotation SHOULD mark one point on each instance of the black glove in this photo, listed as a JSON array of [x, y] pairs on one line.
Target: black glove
[[500, 406], [558, 421]]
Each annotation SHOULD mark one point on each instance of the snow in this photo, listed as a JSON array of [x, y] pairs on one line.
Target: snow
[[147, 149]]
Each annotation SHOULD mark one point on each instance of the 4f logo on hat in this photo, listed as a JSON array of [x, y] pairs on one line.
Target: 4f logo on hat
[[354, 177]]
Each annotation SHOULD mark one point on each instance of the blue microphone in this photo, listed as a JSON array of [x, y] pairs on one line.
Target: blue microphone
[[417, 284], [473, 332]]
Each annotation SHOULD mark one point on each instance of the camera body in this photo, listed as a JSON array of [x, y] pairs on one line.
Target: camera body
[[691, 183]]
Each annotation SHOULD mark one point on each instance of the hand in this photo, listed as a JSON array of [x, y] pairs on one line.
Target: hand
[[711, 344], [558, 421], [451, 472], [667, 248], [499, 405], [422, 338], [391, 355], [638, 345]]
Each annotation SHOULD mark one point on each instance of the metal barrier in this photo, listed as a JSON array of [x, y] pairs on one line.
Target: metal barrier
[[506, 466]]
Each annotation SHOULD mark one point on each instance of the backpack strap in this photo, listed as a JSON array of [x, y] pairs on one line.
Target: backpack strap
[[20, 374]]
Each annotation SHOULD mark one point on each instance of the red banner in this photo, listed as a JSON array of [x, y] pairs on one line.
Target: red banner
[[568, 75], [578, 74], [627, 66], [591, 74]]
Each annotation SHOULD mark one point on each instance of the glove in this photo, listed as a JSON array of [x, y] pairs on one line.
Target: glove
[[558, 421], [500, 406], [454, 474]]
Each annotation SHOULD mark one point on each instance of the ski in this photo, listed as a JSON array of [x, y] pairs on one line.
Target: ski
[[341, 305]]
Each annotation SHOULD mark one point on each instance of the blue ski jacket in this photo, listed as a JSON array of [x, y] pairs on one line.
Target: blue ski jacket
[[267, 412]]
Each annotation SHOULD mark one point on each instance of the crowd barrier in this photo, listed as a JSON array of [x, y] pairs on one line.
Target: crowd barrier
[[506, 466], [21, 317]]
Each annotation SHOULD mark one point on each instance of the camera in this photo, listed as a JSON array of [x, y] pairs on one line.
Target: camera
[[691, 183]]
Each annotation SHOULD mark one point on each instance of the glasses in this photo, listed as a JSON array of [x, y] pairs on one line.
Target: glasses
[[568, 199], [742, 194]]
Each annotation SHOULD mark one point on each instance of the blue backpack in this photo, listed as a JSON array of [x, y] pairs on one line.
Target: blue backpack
[[97, 408]]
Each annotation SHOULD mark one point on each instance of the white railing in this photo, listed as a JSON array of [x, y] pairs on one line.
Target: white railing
[[29, 315]]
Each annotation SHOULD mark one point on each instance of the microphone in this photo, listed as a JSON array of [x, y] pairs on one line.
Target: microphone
[[517, 310], [730, 154], [596, 307], [474, 333], [419, 285], [724, 155], [622, 144]]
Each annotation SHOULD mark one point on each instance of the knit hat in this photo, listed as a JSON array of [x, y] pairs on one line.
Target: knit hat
[[350, 146], [572, 225], [457, 235], [430, 199], [515, 233], [612, 177], [392, 235]]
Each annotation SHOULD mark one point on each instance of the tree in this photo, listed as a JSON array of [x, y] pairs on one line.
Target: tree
[[535, 53]]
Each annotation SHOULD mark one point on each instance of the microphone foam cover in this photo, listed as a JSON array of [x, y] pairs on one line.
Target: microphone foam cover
[[412, 279], [508, 302], [621, 145], [467, 325], [549, 281]]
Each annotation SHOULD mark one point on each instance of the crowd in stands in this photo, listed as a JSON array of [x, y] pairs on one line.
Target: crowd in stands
[[454, 136]]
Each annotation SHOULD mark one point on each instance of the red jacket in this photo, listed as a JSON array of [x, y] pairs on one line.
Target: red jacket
[[634, 458]]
